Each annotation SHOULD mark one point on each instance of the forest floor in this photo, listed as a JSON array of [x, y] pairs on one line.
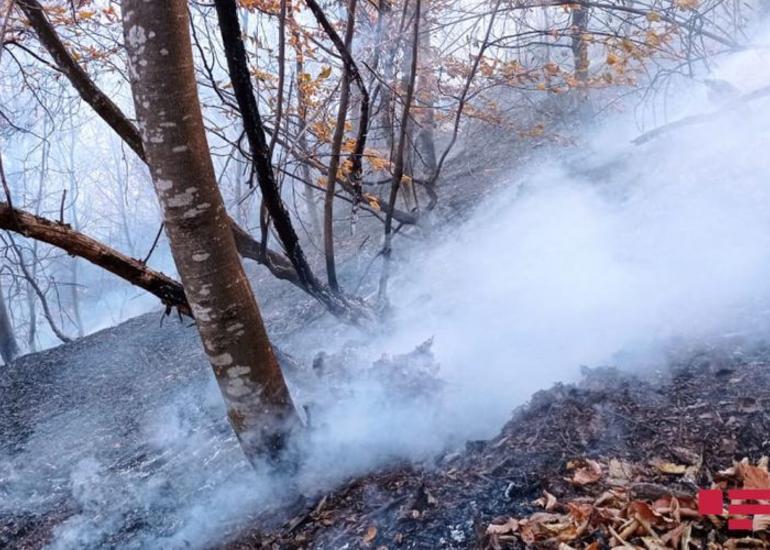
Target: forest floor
[[121, 434], [615, 461]]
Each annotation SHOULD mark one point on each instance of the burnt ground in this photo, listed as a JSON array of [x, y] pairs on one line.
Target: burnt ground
[[590, 455], [101, 439]]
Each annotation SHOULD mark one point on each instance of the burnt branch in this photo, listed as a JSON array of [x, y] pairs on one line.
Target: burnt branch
[[235, 52]]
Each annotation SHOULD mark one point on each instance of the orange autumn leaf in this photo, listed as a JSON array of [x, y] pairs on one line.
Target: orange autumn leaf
[[371, 534], [754, 477], [590, 473]]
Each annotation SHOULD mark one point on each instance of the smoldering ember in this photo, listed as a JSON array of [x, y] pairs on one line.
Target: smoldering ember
[[419, 274]]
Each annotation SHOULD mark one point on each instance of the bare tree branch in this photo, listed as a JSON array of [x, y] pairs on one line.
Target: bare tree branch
[[77, 244], [82, 82]]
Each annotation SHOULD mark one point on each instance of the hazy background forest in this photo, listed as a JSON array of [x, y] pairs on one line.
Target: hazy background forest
[[543, 185], [523, 82]]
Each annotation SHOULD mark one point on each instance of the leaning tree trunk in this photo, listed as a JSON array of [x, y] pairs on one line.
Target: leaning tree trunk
[[228, 318], [8, 347]]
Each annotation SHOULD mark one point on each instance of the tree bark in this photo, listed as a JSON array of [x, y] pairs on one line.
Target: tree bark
[[9, 349], [426, 87], [580, 59], [198, 227]]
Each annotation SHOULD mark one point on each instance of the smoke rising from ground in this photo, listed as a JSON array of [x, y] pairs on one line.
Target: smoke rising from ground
[[607, 255]]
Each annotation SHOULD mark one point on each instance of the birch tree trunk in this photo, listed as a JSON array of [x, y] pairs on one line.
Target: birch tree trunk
[[228, 318]]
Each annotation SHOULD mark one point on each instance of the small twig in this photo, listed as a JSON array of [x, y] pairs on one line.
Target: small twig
[[154, 244], [61, 207]]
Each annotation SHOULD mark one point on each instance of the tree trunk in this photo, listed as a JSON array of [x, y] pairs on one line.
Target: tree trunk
[[398, 165], [240, 77], [580, 60], [334, 160], [425, 95], [204, 250], [311, 201], [74, 261], [9, 349], [389, 43]]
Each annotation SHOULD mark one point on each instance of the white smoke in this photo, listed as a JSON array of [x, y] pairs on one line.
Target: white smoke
[[607, 254], [601, 255]]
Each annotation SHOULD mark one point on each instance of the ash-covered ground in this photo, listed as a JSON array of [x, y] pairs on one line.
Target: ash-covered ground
[[652, 258], [120, 439]]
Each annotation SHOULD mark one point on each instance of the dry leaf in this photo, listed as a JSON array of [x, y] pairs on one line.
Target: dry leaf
[[590, 473], [745, 542], [371, 534], [673, 537], [619, 469], [670, 467], [687, 455], [527, 535], [644, 511], [754, 477], [727, 472], [510, 526], [687, 4], [580, 512], [325, 73], [547, 501], [652, 544], [605, 497], [760, 523]]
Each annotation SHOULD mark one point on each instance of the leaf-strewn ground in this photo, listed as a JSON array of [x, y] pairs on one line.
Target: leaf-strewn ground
[[616, 461]]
